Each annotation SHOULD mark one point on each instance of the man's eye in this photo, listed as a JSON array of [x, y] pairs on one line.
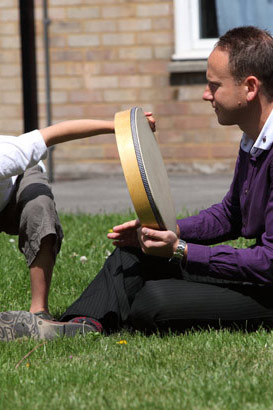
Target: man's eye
[[213, 87]]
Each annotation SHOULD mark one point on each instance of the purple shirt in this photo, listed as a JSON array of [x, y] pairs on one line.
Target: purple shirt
[[247, 211]]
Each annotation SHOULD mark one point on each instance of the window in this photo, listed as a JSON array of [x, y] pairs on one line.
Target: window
[[198, 23], [208, 26], [196, 29]]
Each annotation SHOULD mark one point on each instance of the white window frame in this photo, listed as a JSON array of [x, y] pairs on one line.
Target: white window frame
[[188, 45]]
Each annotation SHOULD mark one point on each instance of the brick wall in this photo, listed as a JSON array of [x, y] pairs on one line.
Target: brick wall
[[10, 70], [107, 56]]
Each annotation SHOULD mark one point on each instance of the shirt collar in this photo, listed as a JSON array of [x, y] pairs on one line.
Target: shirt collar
[[263, 142]]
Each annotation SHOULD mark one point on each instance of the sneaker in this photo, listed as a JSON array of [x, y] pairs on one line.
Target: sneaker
[[45, 315], [17, 324]]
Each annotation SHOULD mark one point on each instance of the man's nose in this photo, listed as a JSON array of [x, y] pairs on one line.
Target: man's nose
[[207, 96]]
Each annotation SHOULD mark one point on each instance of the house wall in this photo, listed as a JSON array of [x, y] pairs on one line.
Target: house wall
[[108, 56]]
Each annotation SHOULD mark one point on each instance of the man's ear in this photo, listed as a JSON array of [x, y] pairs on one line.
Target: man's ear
[[253, 86]]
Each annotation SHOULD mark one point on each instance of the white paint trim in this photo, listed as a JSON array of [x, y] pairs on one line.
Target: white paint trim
[[188, 44]]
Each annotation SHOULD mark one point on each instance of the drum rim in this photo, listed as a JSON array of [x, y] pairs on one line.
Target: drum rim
[[142, 171]]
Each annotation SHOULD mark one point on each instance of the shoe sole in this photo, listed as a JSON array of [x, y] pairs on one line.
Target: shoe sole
[[17, 324]]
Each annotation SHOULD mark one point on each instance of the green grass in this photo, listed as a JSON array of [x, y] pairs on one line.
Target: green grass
[[198, 370]]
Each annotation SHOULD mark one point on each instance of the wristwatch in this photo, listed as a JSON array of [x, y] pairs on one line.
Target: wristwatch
[[179, 253]]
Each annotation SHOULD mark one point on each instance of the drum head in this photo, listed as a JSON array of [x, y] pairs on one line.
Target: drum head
[[144, 170]]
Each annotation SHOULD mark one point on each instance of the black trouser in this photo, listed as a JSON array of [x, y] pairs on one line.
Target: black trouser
[[152, 294]]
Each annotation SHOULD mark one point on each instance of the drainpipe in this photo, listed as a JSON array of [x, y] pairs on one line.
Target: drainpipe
[[28, 61]]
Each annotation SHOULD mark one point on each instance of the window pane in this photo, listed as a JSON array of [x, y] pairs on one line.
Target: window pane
[[236, 13], [208, 20]]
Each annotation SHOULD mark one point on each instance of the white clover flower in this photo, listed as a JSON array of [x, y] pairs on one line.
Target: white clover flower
[[108, 253], [83, 259]]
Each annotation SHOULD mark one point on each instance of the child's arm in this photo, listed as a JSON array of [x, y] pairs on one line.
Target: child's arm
[[75, 129]]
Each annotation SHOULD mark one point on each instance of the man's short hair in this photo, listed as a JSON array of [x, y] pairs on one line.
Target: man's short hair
[[250, 53]]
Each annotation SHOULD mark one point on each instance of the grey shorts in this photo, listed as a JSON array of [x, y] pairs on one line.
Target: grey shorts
[[31, 214]]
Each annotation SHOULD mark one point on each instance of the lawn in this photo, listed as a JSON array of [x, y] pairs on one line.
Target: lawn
[[198, 370]]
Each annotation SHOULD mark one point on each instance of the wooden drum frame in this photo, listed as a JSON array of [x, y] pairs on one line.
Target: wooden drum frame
[[144, 170]]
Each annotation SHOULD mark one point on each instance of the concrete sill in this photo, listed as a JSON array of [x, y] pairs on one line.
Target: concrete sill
[[187, 66]]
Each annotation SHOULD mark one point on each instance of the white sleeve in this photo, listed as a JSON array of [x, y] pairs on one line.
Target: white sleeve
[[19, 153]]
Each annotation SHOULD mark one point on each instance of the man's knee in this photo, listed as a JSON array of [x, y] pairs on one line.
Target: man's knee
[[147, 307]]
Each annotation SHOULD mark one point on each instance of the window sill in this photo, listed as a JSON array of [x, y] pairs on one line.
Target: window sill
[[187, 66]]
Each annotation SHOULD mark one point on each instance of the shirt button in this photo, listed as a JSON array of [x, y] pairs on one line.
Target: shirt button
[[246, 191], [264, 139]]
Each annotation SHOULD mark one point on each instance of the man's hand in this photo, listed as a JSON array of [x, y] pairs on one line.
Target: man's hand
[[125, 234], [151, 241], [157, 243]]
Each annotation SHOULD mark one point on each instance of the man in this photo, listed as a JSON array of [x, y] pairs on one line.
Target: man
[[210, 285], [155, 280]]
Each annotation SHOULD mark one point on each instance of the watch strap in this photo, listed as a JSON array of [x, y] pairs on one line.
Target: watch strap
[[179, 252]]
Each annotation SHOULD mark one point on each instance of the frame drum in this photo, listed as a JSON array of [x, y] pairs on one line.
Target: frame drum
[[144, 170]]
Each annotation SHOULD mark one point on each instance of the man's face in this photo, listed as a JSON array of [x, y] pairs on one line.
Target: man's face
[[227, 97]]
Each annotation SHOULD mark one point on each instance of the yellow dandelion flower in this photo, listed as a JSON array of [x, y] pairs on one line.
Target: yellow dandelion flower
[[122, 342]]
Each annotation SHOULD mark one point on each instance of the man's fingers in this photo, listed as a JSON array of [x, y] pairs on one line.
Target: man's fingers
[[113, 235], [120, 244], [154, 234], [127, 226], [126, 242], [148, 243]]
